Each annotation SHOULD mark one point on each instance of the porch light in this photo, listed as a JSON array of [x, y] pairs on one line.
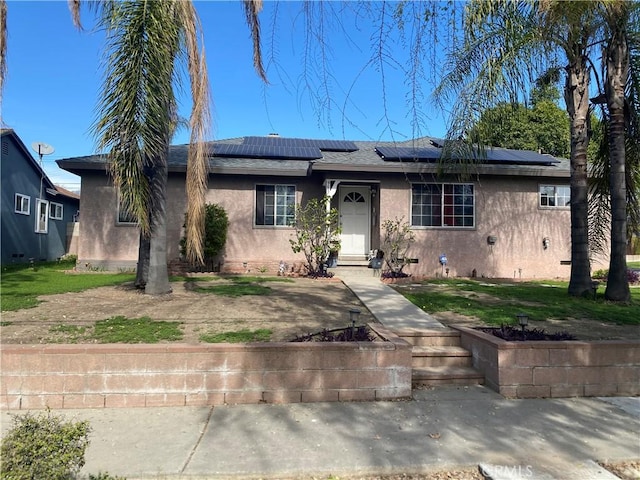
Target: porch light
[[523, 320]]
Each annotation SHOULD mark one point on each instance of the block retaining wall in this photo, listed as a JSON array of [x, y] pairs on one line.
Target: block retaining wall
[[93, 376], [544, 369]]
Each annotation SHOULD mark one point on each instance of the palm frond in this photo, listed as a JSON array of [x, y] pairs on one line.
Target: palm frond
[[200, 121], [252, 8], [599, 188], [136, 113], [74, 8]]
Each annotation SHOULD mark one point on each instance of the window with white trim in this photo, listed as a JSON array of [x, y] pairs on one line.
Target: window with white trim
[[275, 205], [22, 204], [42, 216], [55, 211], [555, 196], [443, 205]]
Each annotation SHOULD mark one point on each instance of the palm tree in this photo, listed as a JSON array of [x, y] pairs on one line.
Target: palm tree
[[507, 45], [620, 122], [616, 54], [136, 120]]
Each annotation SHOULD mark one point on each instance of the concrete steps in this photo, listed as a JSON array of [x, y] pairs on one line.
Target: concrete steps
[[438, 358]]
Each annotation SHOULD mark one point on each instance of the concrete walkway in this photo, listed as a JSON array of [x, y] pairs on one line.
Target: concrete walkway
[[389, 307]]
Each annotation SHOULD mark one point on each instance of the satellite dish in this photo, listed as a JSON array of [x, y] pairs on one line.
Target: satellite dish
[[42, 148]]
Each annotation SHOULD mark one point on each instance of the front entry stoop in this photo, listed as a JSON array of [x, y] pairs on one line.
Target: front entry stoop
[[438, 358]]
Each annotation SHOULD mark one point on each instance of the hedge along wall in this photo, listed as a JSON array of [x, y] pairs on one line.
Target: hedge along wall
[[92, 376], [555, 369]]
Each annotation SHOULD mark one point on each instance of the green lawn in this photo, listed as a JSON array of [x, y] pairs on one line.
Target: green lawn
[[241, 336], [497, 304], [20, 285]]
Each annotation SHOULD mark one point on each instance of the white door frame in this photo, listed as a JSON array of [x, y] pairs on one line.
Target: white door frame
[[365, 191]]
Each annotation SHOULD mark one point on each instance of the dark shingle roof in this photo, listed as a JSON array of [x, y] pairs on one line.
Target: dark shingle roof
[[366, 157]]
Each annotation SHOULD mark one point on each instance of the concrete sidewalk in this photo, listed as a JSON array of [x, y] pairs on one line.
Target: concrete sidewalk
[[441, 428]]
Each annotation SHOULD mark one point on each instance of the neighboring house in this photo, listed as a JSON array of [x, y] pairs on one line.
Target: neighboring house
[[510, 218], [35, 212]]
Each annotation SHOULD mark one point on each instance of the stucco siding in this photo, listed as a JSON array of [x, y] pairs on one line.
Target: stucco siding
[[104, 243], [506, 208], [249, 247]]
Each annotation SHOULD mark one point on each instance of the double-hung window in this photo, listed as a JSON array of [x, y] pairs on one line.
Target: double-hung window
[[22, 204], [555, 196], [443, 205], [275, 205], [55, 211]]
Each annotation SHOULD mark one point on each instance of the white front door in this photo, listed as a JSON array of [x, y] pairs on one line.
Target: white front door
[[355, 220]]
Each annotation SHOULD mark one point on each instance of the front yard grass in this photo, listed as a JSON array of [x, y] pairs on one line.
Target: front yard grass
[[498, 303], [242, 336], [118, 330], [20, 285]]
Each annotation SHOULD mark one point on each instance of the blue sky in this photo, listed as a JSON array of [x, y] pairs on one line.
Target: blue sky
[[54, 79]]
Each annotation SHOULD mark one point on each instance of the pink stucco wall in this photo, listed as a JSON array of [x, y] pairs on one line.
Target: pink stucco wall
[[506, 207]]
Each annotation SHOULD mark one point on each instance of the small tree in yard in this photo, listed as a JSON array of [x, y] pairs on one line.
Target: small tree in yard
[[317, 229], [397, 238]]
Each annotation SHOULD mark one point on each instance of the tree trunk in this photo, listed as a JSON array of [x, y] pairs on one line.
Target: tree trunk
[[158, 280], [577, 99], [142, 270], [617, 58]]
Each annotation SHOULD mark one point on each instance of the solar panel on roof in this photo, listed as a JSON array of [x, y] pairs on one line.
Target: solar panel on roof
[[519, 157], [265, 151], [408, 153], [501, 156], [327, 145]]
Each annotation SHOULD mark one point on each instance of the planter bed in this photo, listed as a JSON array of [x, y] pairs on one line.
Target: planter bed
[[118, 375], [543, 369]]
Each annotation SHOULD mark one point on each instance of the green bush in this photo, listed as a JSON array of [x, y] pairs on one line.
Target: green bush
[[216, 224], [43, 446]]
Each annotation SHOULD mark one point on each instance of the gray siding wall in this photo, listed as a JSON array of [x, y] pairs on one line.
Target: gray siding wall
[[19, 240]]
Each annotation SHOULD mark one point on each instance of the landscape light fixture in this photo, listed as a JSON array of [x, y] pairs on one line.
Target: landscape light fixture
[[594, 288], [354, 314], [523, 320]]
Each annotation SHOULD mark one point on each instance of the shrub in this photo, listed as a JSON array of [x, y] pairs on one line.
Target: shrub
[[216, 224], [316, 234], [397, 238], [601, 274], [632, 275], [43, 446]]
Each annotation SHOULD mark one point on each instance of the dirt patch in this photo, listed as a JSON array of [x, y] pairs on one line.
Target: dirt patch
[[624, 470], [290, 309], [301, 307]]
